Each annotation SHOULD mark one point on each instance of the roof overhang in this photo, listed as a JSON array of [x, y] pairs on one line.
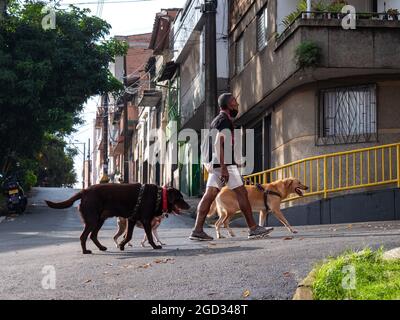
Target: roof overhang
[[150, 98], [168, 71]]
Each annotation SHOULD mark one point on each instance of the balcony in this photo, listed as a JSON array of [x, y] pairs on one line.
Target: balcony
[[150, 98], [370, 51]]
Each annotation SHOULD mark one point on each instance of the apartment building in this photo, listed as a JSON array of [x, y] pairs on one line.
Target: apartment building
[[189, 83], [346, 100], [133, 65]]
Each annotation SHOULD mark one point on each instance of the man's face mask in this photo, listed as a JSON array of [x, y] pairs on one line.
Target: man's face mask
[[233, 113]]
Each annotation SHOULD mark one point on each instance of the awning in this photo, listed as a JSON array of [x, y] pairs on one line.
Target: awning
[[150, 98], [168, 71]]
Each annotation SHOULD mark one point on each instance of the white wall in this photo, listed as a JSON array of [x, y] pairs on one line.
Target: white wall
[[183, 36]]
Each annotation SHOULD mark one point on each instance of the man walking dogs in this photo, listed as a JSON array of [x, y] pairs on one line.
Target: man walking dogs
[[225, 172]]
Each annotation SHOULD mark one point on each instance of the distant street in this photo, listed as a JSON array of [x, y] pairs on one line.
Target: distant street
[[221, 269]]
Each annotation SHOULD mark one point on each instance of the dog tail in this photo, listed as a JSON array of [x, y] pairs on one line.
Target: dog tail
[[64, 204], [213, 209]]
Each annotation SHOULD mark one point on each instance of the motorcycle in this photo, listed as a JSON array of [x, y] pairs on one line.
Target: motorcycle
[[15, 197]]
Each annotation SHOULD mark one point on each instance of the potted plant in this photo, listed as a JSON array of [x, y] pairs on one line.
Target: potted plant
[[320, 9], [308, 55], [393, 13], [336, 7]]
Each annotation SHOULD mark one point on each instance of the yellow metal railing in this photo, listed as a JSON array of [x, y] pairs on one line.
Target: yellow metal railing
[[326, 174]]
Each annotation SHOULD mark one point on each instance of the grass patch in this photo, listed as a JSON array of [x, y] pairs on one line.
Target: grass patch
[[357, 276]]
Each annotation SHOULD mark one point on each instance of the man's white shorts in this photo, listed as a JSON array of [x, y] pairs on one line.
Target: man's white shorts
[[235, 179]]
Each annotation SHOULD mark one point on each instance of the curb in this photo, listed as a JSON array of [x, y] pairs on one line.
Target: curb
[[304, 288], [393, 254]]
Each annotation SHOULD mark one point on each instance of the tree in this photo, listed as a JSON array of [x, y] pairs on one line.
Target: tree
[[56, 163], [46, 76]]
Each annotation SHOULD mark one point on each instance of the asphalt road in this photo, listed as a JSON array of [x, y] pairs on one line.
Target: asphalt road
[[183, 269]]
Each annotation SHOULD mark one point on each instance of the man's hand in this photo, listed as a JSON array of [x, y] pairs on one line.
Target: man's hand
[[224, 174]]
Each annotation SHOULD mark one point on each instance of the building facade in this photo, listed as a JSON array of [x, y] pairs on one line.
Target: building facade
[[189, 81], [346, 100], [129, 70]]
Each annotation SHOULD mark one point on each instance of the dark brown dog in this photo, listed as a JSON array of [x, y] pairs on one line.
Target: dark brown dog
[[103, 201]]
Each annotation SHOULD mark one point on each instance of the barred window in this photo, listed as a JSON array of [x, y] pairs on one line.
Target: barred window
[[262, 24], [347, 115], [240, 54]]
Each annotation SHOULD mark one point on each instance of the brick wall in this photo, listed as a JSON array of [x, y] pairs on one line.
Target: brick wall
[[138, 52]]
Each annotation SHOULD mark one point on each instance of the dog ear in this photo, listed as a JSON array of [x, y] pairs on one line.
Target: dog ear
[[289, 182]]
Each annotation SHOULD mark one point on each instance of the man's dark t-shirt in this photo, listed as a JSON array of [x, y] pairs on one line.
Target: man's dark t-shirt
[[220, 123]]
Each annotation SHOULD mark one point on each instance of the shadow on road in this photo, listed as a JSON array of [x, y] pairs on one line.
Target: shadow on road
[[177, 252]]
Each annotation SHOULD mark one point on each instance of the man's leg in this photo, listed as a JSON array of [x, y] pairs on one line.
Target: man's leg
[[255, 231], [245, 207], [202, 210], [204, 207]]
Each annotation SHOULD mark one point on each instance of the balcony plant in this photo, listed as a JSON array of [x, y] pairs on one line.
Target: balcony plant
[[393, 13], [335, 7], [308, 55], [290, 18], [319, 9]]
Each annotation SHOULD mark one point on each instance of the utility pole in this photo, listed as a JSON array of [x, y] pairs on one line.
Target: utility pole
[[209, 10], [88, 161], [126, 137], [105, 178]]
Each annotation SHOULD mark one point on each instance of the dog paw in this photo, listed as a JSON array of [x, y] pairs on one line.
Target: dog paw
[[157, 247], [130, 244], [122, 248], [294, 231], [220, 237], [103, 249], [87, 252], [163, 244]]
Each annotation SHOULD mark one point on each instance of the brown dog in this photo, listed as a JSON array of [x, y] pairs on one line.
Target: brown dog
[[155, 223], [226, 204], [134, 201]]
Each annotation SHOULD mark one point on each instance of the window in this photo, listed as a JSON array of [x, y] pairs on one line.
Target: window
[[240, 54], [347, 115], [262, 25]]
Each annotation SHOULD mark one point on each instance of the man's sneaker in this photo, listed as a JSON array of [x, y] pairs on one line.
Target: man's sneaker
[[259, 232], [200, 236]]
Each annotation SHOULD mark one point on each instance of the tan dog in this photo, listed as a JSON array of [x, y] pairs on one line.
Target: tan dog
[[226, 204], [155, 223]]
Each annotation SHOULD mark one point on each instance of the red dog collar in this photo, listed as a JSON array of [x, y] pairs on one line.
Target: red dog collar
[[164, 199]]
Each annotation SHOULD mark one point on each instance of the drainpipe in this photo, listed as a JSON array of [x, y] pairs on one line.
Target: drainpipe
[[308, 9]]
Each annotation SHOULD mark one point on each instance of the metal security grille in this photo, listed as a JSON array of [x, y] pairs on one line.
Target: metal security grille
[[240, 54], [262, 29], [347, 115]]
